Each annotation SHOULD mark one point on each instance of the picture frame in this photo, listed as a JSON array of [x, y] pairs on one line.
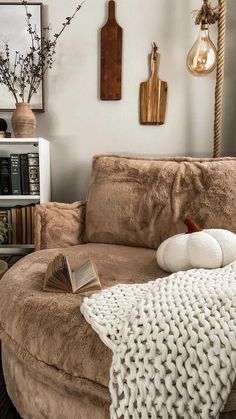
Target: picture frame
[[13, 29]]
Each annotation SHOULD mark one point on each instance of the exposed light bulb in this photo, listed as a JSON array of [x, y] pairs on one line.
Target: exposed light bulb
[[202, 57]]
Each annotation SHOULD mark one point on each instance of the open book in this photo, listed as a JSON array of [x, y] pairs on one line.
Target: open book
[[60, 278]]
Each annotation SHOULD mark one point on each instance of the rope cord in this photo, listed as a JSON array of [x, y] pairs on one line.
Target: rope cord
[[219, 90], [207, 13], [211, 15]]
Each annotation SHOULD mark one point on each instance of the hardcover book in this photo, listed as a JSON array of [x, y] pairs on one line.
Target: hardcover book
[[24, 225], [13, 225], [28, 225], [33, 165], [32, 223], [24, 173], [5, 174], [18, 226], [15, 174], [59, 277]]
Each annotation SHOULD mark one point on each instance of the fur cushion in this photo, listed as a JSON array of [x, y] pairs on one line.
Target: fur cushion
[[141, 202], [59, 225]]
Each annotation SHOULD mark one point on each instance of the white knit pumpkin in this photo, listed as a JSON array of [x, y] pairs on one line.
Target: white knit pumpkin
[[209, 249]]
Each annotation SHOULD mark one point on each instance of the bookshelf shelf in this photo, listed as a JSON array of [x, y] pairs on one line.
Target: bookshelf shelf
[[13, 249], [19, 198], [24, 146], [19, 141]]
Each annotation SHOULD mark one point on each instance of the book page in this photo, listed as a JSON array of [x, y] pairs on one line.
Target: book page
[[84, 276], [58, 275]]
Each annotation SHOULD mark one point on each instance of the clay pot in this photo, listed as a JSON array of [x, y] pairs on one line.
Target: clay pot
[[23, 121]]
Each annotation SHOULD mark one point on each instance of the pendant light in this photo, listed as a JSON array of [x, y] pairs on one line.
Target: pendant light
[[202, 58]]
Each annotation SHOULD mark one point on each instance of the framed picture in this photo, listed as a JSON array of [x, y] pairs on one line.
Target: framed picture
[[13, 30]]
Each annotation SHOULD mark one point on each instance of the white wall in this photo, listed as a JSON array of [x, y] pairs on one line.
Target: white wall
[[79, 125]]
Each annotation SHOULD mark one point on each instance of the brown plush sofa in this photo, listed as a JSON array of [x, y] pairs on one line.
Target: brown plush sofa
[[55, 365]]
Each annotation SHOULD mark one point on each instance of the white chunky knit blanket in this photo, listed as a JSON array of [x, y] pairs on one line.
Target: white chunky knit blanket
[[173, 343]]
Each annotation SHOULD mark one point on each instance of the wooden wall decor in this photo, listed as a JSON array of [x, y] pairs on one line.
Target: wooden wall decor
[[111, 56], [153, 95]]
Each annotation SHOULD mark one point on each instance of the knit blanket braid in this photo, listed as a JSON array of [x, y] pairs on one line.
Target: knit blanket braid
[[173, 343]]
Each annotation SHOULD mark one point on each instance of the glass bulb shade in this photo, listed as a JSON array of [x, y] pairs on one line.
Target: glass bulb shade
[[202, 57]]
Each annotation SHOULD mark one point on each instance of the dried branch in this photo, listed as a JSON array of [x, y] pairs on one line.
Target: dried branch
[[27, 71]]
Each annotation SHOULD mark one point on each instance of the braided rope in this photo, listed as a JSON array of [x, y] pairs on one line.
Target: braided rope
[[219, 90], [207, 13]]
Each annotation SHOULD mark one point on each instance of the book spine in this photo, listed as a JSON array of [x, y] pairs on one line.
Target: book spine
[[10, 226], [13, 223], [5, 176], [24, 226], [33, 165], [18, 226], [28, 225], [24, 174], [15, 174], [32, 223]]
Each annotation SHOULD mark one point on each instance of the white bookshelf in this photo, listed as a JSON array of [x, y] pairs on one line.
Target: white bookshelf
[[24, 146], [20, 198]]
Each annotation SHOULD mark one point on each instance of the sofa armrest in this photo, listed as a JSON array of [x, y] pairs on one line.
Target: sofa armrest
[[59, 225]]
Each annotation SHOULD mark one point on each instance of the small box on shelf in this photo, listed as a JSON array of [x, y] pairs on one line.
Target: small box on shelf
[[5, 134]]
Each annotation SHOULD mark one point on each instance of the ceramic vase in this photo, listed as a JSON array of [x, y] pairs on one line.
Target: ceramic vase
[[23, 121]]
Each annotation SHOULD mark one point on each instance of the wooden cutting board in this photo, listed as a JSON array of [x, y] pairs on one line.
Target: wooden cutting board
[[111, 56], [153, 95]]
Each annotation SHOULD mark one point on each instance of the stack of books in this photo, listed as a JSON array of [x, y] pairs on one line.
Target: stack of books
[[19, 174], [21, 221]]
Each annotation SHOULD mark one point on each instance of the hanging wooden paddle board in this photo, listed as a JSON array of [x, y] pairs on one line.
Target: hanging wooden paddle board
[[111, 56], [153, 95]]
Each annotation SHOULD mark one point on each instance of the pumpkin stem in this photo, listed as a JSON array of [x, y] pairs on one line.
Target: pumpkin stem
[[192, 227]]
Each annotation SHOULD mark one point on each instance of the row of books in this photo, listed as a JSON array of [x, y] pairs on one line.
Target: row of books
[[21, 222], [19, 174]]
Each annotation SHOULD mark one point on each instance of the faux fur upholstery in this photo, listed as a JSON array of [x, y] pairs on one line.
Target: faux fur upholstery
[[59, 225], [69, 397], [32, 317], [55, 364], [36, 397], [141, 202]]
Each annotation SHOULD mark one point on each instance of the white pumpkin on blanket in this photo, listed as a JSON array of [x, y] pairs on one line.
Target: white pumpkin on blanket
[[208, 249]]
